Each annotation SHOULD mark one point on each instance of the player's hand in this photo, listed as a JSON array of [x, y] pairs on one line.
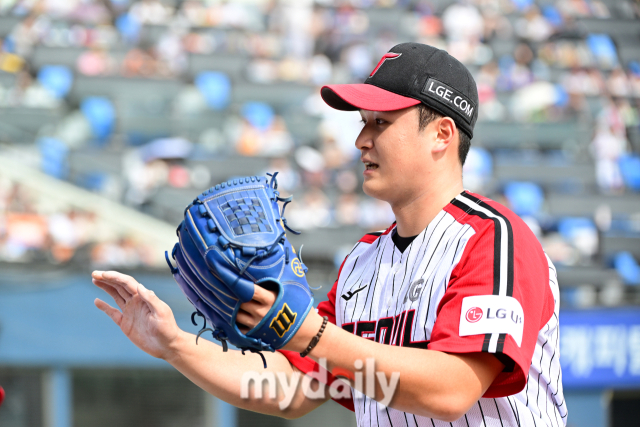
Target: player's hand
[[252, 312], [143, 317]]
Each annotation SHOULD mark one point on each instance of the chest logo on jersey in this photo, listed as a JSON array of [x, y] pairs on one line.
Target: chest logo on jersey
[[492, 314], [350, 294], [414, 291], [394, 330]]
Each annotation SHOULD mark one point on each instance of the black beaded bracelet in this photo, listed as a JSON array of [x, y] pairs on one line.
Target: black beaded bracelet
[[316, 339]]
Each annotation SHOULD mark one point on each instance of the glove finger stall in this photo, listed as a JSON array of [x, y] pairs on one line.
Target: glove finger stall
[[191, 280], [201, 270]]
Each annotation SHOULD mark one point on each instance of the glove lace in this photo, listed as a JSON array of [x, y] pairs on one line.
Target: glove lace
[[214, 332], [258, 352], [261, 255]]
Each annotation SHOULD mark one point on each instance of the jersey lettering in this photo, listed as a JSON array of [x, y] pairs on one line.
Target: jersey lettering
[[382, 328]]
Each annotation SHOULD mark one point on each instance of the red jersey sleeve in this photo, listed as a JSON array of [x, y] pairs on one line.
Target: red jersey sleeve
[[306, 364], [498, 297]]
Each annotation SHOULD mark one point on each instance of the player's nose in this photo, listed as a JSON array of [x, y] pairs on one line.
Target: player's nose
[[364, 141]]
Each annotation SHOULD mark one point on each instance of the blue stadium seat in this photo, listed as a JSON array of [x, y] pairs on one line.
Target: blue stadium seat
[[259, 114], [53, 154], [603, 48], [94, 181], [101, 116], [57, 79], [128, 27], [166, 148], [630, 169], [627, 267], [525, 198], [553, 15], [215, 87], [482, 161], [522, 5], [569, 227]]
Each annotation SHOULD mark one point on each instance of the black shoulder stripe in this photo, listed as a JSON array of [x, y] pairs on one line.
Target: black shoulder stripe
[[510, 264], [500, 255], [501, 339], [375, 233], [496, 246]]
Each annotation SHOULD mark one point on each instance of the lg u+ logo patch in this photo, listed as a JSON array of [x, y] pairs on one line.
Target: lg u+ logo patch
[[492, 314]]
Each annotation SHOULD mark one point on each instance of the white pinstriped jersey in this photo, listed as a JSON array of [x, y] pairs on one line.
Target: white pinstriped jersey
[[420, 298]]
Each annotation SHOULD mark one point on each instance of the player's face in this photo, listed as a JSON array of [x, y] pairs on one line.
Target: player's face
[[397, 156]]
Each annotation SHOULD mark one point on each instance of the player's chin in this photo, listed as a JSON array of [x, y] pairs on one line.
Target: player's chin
[[375, 188]]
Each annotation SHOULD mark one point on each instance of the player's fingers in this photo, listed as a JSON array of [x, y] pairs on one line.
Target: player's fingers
[[114, 314], [127, 283], [116, 285], [255, 309], [124, 294], [264, 296], [245, 320], [111, 291], [154, 303]]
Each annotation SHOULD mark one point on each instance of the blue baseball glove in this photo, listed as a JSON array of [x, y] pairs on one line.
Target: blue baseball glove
[[232, 237]]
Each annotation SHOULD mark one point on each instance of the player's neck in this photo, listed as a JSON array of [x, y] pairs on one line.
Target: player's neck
[[415, 215]]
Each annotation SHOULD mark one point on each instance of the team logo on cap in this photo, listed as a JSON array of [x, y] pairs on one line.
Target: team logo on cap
[[388, 55]]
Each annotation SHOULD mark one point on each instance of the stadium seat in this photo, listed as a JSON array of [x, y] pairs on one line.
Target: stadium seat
[[215, 87], [94, 181], [129, 27], [57, 79], [569, 227], [166, 148], [580, 233], [553, 15], [603, 49], [53, 154], [101, 116], [627, 267], [522, 5], [478, 169], [630, 169], [258, 114], [525, 198]]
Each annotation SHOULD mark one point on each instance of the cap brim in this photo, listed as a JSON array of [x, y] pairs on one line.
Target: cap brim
[[362, 96]]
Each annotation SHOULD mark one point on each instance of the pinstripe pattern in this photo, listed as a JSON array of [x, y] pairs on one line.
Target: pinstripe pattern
[[395, 294]]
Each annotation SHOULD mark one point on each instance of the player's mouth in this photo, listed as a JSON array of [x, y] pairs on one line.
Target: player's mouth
[[370, 166]]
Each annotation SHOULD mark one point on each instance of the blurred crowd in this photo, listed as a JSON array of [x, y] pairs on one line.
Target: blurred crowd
[[534, 62], [32, 231]]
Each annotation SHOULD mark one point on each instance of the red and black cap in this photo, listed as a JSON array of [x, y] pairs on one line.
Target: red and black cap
[[411, 73]]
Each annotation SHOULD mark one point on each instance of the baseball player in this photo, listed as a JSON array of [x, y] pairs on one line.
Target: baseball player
[[456, 297]]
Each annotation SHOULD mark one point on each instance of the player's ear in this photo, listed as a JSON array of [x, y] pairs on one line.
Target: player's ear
[[445, 129]]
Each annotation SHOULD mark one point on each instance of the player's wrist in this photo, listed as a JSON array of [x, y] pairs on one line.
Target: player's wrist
[[175, 347], [305, 334]]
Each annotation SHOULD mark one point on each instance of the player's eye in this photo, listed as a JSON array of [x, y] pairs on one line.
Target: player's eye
[[380, 121]]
